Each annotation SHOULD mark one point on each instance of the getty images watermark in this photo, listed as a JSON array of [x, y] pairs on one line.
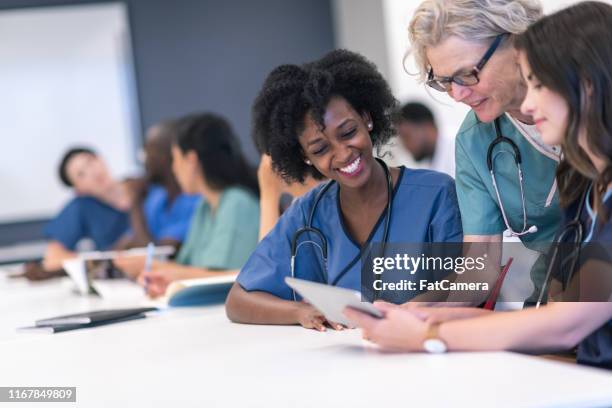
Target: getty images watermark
[[482, 272], [410, 265]]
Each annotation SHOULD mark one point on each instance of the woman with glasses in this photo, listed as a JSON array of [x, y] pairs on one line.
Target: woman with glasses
[[505, 174], [569, 96]]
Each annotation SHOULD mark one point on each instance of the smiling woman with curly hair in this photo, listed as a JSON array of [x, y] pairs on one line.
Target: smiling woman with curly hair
[[324, 118]]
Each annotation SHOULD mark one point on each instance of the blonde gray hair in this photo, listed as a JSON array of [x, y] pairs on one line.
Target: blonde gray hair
[[471, 20]]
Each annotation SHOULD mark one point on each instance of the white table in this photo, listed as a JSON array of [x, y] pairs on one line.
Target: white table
[[196, 357]]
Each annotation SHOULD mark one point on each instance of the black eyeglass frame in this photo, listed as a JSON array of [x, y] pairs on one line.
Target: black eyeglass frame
[[439, 84]]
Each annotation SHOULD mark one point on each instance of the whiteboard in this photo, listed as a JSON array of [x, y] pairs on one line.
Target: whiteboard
[[66, 78]]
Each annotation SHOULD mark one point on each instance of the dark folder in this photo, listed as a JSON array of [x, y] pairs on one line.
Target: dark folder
[[88, 319]]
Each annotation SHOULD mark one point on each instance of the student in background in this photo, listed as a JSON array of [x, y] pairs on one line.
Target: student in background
[[419, 136], [160, 213], [207, 160], [323, 119], [99, 211], [275, 193], [569, 90]]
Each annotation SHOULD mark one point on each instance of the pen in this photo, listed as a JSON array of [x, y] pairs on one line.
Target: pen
[[148, 263]]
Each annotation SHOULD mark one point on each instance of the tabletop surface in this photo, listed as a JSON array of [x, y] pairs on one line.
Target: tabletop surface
[[196, 357]]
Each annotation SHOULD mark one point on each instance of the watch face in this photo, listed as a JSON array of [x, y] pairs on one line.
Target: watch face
[[434, 346]]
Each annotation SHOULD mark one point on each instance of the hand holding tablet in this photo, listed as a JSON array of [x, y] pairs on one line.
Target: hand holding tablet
[[332, 300]]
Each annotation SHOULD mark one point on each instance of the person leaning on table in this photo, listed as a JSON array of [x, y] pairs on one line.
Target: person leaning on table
[[465, 48], [324, 119], [570, 95], [207, 159]]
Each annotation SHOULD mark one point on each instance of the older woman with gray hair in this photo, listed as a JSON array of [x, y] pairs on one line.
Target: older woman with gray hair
[[505, 174]]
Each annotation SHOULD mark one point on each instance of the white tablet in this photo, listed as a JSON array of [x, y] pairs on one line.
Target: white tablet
[[332, 300]]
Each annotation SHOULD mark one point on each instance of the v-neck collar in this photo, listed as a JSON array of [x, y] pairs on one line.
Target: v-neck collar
[[380, 218]]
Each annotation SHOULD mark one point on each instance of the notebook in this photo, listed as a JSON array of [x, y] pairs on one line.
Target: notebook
[[198, 292], [86, 320]]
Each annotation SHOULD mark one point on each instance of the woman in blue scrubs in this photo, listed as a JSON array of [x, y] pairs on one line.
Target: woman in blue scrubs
[[569, 96], [99, 211], [323, 119]]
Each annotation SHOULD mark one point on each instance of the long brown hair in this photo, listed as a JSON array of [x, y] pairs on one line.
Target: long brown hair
[[570, 52]]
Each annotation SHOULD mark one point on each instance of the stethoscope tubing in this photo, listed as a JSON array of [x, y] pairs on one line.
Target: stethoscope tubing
[[309, 228], [500, 139], [573, 226]]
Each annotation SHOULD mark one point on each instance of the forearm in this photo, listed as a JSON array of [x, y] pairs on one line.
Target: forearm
[[269, 213], [559, 326], [141, 234], [488, 249], [259, 307], [55, 255], [193, 272]]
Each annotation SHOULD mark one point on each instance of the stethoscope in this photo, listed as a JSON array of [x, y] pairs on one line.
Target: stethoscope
[[576, 228], [323, 246], [517, 159]]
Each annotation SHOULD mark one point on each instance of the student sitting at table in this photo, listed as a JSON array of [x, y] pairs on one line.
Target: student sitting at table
[[566, 61], [323, 119], [276, 195], [160, 213], [99, 211], [207, 160]]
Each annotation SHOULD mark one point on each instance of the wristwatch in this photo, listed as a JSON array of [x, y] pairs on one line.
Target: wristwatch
[[433, 343]]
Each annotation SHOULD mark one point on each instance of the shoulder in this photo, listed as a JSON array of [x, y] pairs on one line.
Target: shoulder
[[156, 192], [87, 209], [476, 134], [305, 202], [190, 200], [425, 178], [238, 196], [469, 125], [84, 203]]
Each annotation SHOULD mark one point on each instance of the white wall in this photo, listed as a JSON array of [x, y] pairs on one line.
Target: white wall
[[66, 77], [449, 114], [359, 26]]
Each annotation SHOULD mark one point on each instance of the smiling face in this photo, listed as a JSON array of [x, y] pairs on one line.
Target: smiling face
[[88, 174], [343, 150], [549, 110], [500, 88]]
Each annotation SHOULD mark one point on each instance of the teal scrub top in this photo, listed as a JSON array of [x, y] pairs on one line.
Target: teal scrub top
[[480, 212], [225, 238]]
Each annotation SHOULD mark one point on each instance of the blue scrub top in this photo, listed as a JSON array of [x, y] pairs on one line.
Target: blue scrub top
[[596, 349], [168, 222], [88, 217], [424, 209]]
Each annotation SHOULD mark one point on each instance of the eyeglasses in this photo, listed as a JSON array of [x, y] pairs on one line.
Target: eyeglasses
[[443, 84]]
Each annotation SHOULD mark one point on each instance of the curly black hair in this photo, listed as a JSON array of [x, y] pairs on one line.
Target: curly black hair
[[63, 174], [291, 91]]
